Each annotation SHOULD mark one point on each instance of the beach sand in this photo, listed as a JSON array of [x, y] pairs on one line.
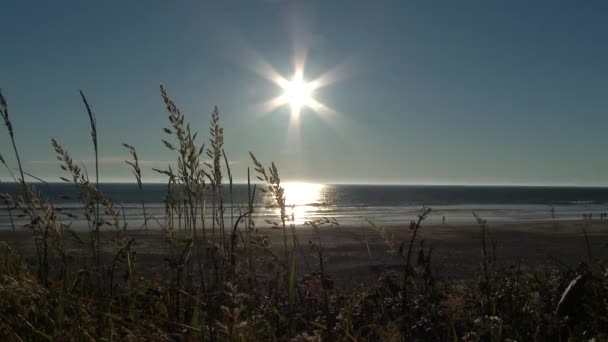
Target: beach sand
[[358, 255]]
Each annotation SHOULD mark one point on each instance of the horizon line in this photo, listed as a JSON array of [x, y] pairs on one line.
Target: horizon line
[[523, 185]]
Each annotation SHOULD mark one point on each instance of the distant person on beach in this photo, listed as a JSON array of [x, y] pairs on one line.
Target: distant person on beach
[[443, 219]]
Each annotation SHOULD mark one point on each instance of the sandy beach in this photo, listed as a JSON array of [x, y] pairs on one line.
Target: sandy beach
[[358, 255]]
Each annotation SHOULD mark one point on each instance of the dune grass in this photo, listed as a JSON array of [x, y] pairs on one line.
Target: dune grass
[[226, 283]]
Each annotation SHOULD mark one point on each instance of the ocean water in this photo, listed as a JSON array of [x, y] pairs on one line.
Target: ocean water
[[354, 204]]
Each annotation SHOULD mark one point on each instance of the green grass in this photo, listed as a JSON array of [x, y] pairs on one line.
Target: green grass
[[225, 282]]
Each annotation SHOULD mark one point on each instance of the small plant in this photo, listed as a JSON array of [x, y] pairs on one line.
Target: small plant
[[136, 170]]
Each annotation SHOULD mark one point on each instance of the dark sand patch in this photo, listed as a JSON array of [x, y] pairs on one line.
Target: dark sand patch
[[456, 247]]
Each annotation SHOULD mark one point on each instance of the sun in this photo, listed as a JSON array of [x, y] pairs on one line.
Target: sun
[[297, 93]]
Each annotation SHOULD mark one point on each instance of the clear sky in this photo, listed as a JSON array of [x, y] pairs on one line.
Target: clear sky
[[452, 92]]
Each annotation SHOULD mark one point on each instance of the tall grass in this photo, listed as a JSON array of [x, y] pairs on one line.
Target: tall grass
[[97, 222], [136, 170]]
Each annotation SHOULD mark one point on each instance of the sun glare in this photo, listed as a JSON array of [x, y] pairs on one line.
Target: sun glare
[[297, 93]]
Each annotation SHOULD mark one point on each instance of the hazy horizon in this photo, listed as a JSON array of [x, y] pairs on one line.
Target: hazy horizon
[[244, 182]]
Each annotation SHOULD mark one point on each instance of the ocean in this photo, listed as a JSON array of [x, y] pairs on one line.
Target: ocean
[[355, 204]]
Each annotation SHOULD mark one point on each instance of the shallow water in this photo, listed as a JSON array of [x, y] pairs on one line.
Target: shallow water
[[353, 204]]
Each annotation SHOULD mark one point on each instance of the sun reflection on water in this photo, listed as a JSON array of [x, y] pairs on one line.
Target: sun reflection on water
[[302, 198], [300, 193]]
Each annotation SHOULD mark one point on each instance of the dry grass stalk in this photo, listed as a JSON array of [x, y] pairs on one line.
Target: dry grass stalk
[[136, 170]]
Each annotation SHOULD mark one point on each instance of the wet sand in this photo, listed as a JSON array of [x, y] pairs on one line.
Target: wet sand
[[358, 255]]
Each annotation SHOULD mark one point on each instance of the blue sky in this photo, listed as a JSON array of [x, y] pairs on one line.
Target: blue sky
[[467, 92]]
